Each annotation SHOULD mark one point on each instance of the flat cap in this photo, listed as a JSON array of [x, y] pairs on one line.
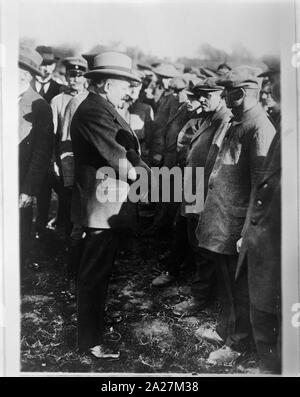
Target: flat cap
[[209, 84], [241, 77], [166, 70], [179, 83]]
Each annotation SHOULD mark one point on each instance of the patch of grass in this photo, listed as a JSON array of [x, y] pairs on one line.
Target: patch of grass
[[152, 338]]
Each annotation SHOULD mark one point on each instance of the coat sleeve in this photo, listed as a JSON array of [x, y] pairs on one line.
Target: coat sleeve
[[101, 132], [260, 143], [42, 147], [259, 146], [160, 124], [148, 126], [54, 107]]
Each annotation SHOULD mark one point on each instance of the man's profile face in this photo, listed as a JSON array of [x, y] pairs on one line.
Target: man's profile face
[[117, 91], [210, 100]]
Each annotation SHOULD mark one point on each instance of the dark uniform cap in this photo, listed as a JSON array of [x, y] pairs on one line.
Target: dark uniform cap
[[30, 60], [47, 54], [75, 63], [241, 77]]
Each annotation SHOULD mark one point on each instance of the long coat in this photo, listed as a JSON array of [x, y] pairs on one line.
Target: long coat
[[173, 127], [204, 147], [238, 166], [95, 128], [168, 105], [261, 247], [36, 139]]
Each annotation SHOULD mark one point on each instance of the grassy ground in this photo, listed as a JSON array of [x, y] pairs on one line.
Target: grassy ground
[[151, 339]]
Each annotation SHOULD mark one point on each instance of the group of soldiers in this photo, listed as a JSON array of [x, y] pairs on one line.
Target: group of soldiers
[[107, 114]]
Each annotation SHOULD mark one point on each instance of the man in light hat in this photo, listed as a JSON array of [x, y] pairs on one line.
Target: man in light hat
[[238, 165], [35, 142], [96, 130], [75, 69]]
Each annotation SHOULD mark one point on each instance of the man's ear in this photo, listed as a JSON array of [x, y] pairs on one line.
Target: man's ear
[[106, 86]]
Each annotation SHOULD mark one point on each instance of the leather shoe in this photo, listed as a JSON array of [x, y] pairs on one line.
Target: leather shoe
[[223, 356], [209, 335], [187, 308], [102, 351], [162, 280]]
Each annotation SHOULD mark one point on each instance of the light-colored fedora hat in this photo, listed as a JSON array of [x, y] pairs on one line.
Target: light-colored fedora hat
[[112, 64], [30, 60]]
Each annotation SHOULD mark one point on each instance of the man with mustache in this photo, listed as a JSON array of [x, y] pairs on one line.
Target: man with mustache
[[96, 132]]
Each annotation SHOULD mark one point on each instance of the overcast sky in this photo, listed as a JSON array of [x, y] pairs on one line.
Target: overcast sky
[[171, 28]]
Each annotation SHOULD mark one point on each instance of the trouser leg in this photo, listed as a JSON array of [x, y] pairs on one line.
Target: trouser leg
[[234, 325], [180, 249], [43, 204], [100, 247], [52, 181], [75, 251], [204, 279], [25, 233], [267, 336], [64, 224], [205, 274]]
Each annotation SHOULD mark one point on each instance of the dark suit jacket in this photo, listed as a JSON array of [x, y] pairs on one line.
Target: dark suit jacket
[[36, 139], [95, 132], [53, 90], [261, 247]]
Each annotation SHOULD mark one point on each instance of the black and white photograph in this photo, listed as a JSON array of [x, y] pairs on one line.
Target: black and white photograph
[[150, 188]]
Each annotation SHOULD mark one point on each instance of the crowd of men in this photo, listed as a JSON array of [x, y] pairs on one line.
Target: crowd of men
[[107, 114]]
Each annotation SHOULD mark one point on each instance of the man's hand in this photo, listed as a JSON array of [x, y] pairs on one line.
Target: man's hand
[[157, 160], [56, 169], [25, 200], [239, 244]]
